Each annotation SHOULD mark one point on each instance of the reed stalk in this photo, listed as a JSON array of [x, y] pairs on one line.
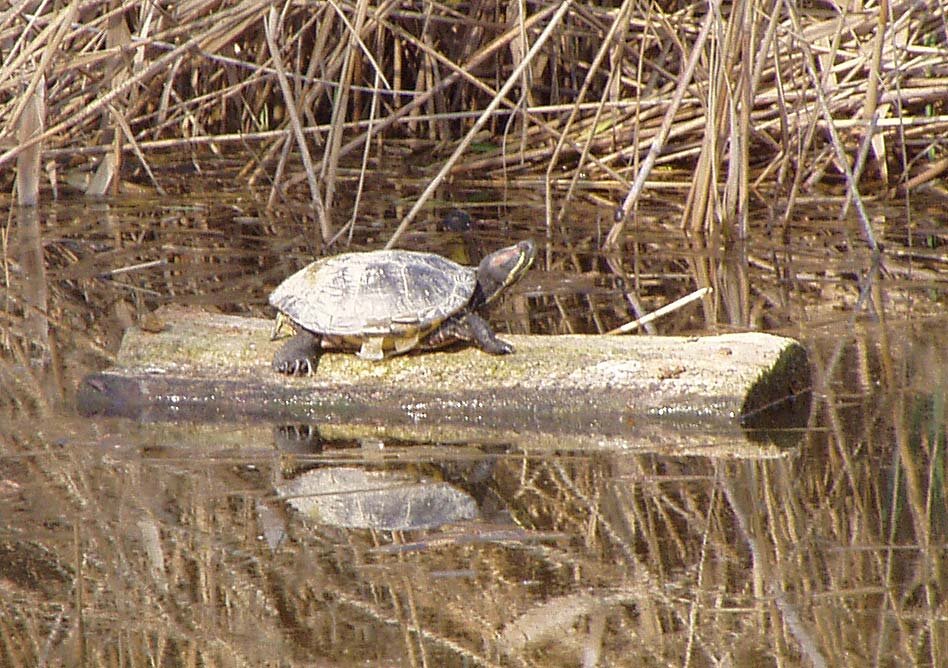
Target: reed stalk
[[792, 83]]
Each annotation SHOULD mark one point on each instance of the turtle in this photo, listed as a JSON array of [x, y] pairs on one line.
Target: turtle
[[387, 302]]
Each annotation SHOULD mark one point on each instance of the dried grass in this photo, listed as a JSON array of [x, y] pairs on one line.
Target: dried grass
[[749, 97], [155, 550]]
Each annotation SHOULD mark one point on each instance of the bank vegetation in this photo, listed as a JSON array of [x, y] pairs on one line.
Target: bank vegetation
[[756, 103]]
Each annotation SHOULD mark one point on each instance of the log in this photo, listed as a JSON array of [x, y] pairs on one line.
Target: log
[[744, 393]]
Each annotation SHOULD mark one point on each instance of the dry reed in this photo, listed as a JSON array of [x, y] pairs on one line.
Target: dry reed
[[668, 561], [749, 97]]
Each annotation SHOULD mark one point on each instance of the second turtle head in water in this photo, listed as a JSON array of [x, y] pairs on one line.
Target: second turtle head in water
[[382, 303]]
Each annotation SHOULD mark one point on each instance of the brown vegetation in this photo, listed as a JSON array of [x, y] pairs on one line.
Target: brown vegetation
[[175, 553], [128, 544], [748, 104]]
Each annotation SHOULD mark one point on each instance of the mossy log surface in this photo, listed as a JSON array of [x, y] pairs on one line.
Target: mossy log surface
[[677, 394]]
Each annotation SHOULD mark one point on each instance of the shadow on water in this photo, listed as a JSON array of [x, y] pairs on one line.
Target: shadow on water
[[173, 541]]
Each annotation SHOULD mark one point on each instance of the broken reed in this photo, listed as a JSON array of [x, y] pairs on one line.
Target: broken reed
[[753, 99]]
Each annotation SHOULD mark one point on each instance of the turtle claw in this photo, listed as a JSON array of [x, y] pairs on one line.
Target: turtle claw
[[301, 367], [473, 327], [298, 367], [503, 349], [298, 356]]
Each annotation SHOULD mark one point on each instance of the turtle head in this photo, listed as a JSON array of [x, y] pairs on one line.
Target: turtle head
[[502, 268]]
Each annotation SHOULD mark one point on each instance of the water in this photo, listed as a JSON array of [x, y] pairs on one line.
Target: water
[[172, 541]]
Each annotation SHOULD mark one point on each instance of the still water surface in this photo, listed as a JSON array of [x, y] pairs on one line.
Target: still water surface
[[179, 543]]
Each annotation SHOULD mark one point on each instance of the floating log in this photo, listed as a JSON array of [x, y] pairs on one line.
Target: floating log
[[671, 394]]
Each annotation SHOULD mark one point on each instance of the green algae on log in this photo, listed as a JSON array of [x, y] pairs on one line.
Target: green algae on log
[[673, 393]]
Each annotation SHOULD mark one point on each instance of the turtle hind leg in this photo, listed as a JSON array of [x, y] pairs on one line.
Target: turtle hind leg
[[473, 328], [299, 356]]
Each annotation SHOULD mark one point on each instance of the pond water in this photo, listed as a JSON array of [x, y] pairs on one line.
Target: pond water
[[130, 542]]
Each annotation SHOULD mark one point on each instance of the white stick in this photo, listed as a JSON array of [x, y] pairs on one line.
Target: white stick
[[665, 310]]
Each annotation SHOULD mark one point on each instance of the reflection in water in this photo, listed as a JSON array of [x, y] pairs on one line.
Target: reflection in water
[[34, 291], [356, 498], [629, 558], [169, 543]]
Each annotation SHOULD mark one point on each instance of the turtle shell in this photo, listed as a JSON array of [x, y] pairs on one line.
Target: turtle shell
[[394, 295]]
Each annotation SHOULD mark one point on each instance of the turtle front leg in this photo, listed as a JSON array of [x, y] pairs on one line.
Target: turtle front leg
[[472, 327], [299, 356]]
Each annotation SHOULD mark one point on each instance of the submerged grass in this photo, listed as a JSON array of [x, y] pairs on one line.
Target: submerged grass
[[157, 554]]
